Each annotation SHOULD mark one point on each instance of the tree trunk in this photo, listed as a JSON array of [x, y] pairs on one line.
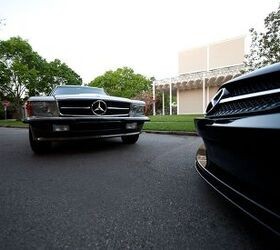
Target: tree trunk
[[19, 111]]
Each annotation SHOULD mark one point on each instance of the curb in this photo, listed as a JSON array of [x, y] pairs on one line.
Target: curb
[[10, 126], [171, 132]]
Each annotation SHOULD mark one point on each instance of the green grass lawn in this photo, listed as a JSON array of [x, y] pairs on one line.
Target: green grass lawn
[[12, 123], [183, 123], [174, 118]]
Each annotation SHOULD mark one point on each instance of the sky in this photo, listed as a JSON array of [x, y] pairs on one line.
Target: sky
[[93, 36]]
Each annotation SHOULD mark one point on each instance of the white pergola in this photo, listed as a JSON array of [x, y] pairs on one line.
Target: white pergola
[[195, 80]]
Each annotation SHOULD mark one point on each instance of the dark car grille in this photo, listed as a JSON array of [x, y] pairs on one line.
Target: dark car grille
[[84, 108], [247, 106], [253, 87], [253, 95]]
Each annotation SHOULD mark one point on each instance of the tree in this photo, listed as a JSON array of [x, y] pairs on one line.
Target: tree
[[24, 72], [147, 97], [19, 68], [56, 73], [265, 46], [122, 82]]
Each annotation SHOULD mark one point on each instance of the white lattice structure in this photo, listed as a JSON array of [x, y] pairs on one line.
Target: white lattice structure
[[195, 80]]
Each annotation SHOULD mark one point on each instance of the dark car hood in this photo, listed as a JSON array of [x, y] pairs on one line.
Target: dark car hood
[[91, 96], [265, 71]]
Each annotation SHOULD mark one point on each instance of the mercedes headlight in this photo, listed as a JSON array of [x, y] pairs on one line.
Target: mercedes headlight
[[41, 109], [137, 109]]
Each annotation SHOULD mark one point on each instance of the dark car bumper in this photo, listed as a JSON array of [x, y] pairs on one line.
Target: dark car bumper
[[44, 129], [240, 161]]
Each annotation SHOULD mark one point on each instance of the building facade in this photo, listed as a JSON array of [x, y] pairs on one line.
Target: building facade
[[201, 72]]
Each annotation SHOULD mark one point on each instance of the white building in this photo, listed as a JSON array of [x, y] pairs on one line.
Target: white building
[[201, 72]]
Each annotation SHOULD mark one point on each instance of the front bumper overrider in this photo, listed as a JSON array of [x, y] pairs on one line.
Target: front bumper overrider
[[42, 128]]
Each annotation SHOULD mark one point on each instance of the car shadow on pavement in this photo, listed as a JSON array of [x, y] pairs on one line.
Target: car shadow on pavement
[[85, 146]]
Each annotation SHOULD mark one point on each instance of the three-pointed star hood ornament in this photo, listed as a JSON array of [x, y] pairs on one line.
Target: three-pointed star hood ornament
[[99, 107]]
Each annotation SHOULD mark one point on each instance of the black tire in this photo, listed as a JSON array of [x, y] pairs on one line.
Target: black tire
[[37, 146], [130, 139]]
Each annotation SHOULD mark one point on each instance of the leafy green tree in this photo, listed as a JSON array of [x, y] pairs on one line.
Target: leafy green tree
[[122, 82], [24, 72], [55, 73], [265, 46], [19, 68]]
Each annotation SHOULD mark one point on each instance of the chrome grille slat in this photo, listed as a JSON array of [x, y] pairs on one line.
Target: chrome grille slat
[[117, 115], [117, 108], [74, 107]]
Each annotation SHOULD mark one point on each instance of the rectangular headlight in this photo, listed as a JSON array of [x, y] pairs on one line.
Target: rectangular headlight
[[137, 110], [41, 109]]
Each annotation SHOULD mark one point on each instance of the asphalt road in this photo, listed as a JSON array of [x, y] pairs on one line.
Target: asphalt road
[[104, 194]]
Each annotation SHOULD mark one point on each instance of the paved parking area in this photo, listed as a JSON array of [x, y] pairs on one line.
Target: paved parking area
[[103, 194]]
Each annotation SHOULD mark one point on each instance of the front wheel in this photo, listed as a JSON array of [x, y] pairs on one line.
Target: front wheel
[[130, 139], [38, 147]]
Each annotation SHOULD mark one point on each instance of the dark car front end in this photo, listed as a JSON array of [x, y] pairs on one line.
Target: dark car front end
[[241, 132], [77, 112], [77, 120]]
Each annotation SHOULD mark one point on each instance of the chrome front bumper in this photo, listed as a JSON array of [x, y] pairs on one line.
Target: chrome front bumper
[[84, 137], [80, 128]]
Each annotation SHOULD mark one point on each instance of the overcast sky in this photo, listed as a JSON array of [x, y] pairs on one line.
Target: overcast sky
[[94, 36]]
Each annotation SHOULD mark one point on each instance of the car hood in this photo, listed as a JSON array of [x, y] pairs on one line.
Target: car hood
[[273, 69], [91, 96], [83, 97]]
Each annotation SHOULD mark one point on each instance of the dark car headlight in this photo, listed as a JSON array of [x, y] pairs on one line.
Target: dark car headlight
[[41, 109], [137, 109]]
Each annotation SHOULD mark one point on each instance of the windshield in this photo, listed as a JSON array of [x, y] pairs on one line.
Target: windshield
[[78, 90]]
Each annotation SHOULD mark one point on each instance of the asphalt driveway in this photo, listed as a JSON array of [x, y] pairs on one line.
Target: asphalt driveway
[[103, 194]]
